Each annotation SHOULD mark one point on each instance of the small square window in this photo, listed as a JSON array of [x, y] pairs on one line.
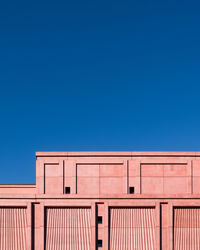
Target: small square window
[[99, 243], [67, 190], [131, 190], [99, 219]]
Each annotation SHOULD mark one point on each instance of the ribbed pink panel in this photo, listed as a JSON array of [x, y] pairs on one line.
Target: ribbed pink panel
[[186, 229], [13, 223], [68, 228], [132, 229]]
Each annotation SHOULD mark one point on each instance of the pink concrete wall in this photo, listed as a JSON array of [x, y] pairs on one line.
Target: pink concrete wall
[[186, 228], [161, 212], [13, 228], [68, 228], [17, 189], [132, 228], [88, 176]]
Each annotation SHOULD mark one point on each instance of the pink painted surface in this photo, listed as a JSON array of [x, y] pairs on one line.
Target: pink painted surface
[[186, 228], [82, 197], [17, 189], [13, 228], [132, 228], [68, 228]]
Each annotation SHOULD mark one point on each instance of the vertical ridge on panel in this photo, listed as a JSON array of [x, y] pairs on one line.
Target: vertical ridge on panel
[[164, 226], [33, 226], [132, 228], [38, 229], [134, 177], [70, 176], [100, 225]]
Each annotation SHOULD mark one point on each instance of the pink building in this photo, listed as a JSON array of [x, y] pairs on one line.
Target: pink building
[[105, 200]]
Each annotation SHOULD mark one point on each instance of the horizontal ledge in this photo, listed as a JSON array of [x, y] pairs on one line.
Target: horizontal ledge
[[91, 197], [17, 185], [117, 153]]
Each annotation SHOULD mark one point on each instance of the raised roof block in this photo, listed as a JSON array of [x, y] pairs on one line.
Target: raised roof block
[[106, 200]]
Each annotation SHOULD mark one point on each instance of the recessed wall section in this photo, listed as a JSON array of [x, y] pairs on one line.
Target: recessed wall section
[[186, 228], [132, 228], [165, 178], [13, 228], [98, 179], [53, 179], [68, 228]]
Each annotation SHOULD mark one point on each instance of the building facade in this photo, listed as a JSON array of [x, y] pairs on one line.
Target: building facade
[[105, 200]]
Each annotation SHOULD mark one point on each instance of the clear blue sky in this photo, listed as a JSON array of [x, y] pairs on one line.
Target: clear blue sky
[[96, 75]]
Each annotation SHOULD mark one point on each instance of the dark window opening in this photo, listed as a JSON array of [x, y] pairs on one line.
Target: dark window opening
[[99, 243], [99, 219], [131, 190], [67, 190]]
